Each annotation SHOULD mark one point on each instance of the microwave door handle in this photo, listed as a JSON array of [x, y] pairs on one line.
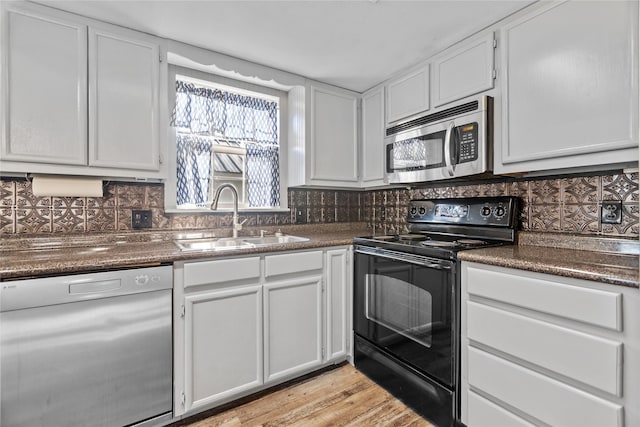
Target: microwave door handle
[[448, 161]]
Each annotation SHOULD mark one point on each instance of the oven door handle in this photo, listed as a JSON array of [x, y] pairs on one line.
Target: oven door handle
[[448, 160], [420, 260]]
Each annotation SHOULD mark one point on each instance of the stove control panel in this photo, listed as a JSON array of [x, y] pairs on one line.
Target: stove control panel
[[492, 211]]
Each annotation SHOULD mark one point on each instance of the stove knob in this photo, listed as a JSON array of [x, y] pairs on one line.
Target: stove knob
[[422, 210], [500, 211], [413, 211], [486, 211]]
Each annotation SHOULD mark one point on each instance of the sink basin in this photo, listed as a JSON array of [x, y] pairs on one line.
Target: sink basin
[[274, 240], [212, 244]]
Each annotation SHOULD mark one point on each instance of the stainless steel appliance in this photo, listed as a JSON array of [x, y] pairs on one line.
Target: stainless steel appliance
[[87, 350], [407, 299], [447, 144]]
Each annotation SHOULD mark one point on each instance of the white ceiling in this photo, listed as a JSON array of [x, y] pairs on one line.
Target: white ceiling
[[352, 44]]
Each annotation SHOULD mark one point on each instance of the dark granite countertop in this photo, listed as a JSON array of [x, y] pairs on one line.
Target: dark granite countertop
[[22, 258], [601, 260]]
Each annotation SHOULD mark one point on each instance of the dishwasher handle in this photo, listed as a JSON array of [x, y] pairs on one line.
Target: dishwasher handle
[[92, 287]]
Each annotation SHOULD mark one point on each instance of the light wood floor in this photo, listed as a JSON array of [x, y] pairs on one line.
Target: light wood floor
[[340, 397]]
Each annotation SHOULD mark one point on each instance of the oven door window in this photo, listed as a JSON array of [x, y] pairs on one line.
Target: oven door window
[[423, 152], [399, 306]]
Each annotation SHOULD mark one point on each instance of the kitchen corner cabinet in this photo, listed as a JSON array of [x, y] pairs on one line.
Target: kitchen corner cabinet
[[372, 137], [407, 94], [463, 70], [332, 146], [569, 73], [79, 96], [543, 349], [242, 324]]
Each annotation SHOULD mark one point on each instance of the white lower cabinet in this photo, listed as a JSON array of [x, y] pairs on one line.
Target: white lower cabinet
[[338, 290], [243, 324], [223, 339], [292, 326], [539, 349]]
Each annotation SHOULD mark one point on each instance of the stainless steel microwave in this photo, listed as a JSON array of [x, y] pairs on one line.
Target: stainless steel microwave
[[447, 144]]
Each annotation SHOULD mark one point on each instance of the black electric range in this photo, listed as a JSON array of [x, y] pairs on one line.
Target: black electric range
[[407, 299]]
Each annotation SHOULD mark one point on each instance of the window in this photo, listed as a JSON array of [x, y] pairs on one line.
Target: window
[[226, 135]]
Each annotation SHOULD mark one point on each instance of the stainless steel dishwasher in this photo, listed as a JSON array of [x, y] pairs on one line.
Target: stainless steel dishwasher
[[87, 350]]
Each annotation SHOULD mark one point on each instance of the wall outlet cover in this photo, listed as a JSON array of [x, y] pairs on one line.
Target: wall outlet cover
[[301, 215], [611, 212], [141, 219]]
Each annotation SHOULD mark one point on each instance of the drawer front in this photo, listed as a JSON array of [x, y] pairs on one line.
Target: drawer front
[[276, 265], [541, 397], [596, 307], [585, 358], [485, 413], [221, 271]]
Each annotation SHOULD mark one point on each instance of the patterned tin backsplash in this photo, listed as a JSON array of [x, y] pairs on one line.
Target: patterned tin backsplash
[[557, 204]]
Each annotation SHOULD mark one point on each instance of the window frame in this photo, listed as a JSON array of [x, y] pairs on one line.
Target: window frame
[[204, 78]]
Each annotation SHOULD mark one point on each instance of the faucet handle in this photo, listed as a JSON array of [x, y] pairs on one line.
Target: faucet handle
[[238, 225]]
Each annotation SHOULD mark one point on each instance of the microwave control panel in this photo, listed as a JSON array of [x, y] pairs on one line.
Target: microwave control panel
[[468, 142]]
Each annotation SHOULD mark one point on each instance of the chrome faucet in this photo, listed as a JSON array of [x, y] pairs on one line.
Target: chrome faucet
[[214, 206]]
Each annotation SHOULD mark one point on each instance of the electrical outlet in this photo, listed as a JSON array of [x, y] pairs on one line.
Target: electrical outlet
[[611, 212], [140, 219], [301, 215]]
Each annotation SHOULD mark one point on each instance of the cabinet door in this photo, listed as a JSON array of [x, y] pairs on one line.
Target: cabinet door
[[223, 344], [338, 297], [334, 137], [44, 86], [372, 153], [292, 326], [123, 91], [570, 87], [408, 94], [463, 70]]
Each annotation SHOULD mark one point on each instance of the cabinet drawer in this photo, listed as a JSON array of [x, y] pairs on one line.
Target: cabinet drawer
[[585, 358], [484, 413], [541, 397], [220, 271], [276, 265], [600, 308]]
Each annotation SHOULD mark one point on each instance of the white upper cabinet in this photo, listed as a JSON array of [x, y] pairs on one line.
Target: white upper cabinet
[[123, 94], [372, 148], [79, 96], [463, 70], [569, 87], [44, 86], [333, 136], [407, 94]]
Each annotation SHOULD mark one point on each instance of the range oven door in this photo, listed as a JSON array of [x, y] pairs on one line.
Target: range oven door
[[404, 304]]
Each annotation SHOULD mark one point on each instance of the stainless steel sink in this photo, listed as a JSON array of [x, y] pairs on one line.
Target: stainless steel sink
[[274, 240], [211, 244]]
